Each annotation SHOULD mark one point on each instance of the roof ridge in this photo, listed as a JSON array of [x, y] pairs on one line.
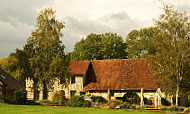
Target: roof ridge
[[109, 60]]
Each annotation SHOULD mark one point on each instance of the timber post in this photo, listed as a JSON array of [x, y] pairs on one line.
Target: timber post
[[142, 102]]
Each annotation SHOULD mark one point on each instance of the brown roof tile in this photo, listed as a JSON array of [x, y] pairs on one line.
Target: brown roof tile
[[79, 67], [121, 74]]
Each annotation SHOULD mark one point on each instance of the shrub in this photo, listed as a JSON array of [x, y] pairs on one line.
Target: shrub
[[187, 109], [143, 108], [133, 107], [137, 107], [59, 98], [86, 104], [140, 107], [20, 96], [10, 100], [126, 105], [76, 101], [173, 108], [163, 108], [112, 104], [119, 102]]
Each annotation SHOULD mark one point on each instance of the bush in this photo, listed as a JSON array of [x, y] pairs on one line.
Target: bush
[[119, 102], [187, 109], [20, 96], [133, 107], [86, 104], [59, 98], [137, 107], [126, 105], [98, 99], [10, 100], [76, 101], [163, 108], [112, 104], [143, 108], [173, 108]]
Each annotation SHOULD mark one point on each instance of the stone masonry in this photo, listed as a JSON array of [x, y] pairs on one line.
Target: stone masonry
[[77, 87]]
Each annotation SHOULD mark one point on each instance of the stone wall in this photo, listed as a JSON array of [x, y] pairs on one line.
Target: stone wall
[[54, 87], [29, 86]]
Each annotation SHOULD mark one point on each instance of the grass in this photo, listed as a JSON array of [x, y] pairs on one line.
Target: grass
[[29, 109]]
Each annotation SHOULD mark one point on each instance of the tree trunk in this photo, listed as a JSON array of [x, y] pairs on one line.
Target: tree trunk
[[177, 95]]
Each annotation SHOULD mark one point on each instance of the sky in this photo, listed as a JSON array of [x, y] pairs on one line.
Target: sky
[[81, 17]]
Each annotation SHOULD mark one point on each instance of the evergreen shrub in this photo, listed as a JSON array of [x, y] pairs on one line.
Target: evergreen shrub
[[59, 98], [86, 104], [76, 101], [20, 96]]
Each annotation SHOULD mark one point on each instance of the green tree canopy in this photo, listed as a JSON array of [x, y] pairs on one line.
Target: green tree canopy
[[99, 46], [139, 42], [17, 65]]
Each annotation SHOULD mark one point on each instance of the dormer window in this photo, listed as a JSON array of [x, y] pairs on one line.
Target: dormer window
[[72, 80]]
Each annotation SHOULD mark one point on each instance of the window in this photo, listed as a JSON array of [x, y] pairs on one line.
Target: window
[[72, 80]]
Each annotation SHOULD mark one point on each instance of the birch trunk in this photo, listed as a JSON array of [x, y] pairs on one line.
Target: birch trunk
[[177, 95]]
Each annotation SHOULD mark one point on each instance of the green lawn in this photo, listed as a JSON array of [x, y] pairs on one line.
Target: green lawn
[[25, 109]]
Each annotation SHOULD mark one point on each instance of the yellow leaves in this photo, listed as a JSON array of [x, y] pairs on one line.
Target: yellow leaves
[[88, 94], [9, 65]]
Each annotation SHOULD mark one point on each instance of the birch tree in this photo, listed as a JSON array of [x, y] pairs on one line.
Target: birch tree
[[171, 60], [48, 59]]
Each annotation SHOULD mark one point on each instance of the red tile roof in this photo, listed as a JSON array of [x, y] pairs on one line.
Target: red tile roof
[[79, 67], [120, 74]]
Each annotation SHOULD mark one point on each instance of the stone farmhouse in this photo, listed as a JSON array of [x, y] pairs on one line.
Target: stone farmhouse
[[111, 79]]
